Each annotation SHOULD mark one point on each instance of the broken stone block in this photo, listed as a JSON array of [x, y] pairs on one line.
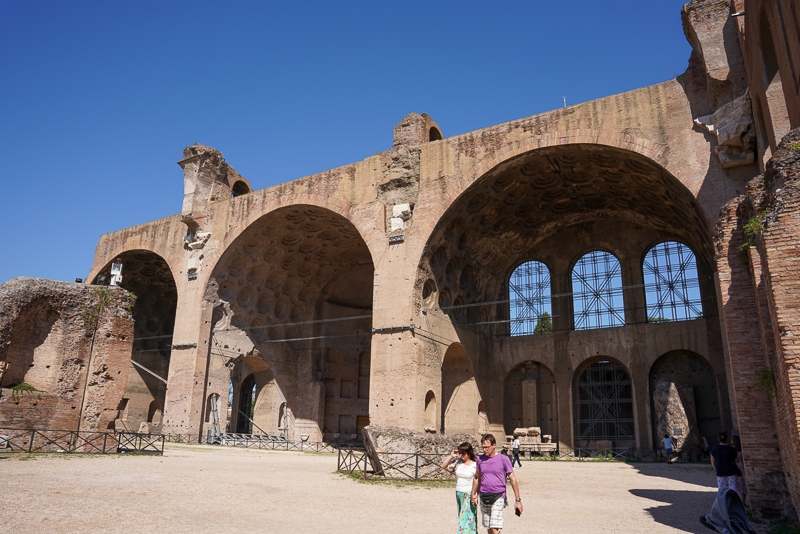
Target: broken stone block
[[390, 451]]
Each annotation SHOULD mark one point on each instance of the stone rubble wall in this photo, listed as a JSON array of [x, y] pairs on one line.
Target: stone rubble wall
[[391, 449], [46, 330]]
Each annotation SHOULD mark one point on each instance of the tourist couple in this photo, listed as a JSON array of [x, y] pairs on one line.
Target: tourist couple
[[482, 481]]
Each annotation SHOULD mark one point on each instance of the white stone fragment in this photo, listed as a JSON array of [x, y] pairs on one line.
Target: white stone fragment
[[402, 210]]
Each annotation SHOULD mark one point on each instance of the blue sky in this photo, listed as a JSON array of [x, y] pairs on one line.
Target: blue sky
[[98, 99]]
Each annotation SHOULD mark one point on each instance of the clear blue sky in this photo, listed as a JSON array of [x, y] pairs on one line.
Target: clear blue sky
[[99, 98]]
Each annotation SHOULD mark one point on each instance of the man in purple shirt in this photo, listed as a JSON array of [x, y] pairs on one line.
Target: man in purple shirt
[[489, 485]]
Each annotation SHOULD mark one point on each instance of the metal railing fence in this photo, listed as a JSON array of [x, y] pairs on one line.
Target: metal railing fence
[[422, 466], [393, 465], [274, 443], [85, 442]]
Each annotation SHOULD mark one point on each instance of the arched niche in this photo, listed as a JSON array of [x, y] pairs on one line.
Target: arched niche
[[431, 412], [685, 400], [34, 350], [460, 395], [531, 399], [148, 276], [603, 406], [295, 289]]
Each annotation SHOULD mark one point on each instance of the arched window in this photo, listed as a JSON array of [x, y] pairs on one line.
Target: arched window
[[529, 299], [604, 406], [239, 188], [671, 286], [597, 291]]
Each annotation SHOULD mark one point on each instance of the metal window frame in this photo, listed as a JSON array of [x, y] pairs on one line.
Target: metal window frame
[[529, 297], [597, 296], [671, 283]]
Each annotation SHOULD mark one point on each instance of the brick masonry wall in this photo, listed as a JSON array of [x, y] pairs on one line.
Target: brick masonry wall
[[746, 360], [63, 344], [776, 202]]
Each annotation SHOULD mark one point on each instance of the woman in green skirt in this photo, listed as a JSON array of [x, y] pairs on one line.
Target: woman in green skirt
[[462, 461]]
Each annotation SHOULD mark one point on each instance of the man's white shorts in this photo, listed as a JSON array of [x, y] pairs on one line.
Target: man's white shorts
[[492, 516]]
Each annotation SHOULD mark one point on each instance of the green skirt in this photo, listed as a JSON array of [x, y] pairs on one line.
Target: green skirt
[[467, 514]]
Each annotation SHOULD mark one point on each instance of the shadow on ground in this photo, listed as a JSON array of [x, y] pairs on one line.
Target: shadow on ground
[[700, 473], [679, 507]]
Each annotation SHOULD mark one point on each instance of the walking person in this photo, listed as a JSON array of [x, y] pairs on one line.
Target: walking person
[[462, 461], [489, 485], [740, 484], [723, 460], [667, 441], [515, 451]]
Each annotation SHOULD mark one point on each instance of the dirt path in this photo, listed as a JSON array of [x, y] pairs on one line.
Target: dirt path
[[212, 489]]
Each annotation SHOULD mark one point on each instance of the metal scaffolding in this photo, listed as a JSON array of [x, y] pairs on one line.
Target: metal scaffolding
[[671, 284], [597, 291], [604, 404], [529, 297]]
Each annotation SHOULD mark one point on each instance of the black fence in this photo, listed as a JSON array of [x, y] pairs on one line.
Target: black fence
[[182, 438], [70, 441], [274, 443], [393, 465], [420, 466]]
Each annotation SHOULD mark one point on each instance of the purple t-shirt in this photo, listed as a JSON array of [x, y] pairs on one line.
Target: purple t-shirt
[[493, 473]]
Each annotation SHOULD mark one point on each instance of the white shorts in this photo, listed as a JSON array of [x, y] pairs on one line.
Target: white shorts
[[492, 516]]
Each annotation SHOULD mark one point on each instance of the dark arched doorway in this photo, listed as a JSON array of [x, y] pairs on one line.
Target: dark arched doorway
[[685, 400]]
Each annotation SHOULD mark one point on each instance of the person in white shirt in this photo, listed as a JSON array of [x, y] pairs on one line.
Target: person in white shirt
[[515, 451], [462, 461]]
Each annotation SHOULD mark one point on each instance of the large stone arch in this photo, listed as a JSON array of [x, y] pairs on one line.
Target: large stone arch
[[553, 205], [519, 202], [151, 280], [295, 290]]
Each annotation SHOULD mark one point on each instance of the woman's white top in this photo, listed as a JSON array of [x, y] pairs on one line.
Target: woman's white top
[[464, 475]]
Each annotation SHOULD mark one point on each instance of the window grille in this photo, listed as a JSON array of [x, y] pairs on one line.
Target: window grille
[[597, 291], [671, 284], [529, 299], [604, 405]]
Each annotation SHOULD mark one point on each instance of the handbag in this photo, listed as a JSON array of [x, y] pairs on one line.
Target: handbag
[[488, 499]]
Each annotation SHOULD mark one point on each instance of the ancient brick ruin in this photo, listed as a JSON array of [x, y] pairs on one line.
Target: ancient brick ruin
[[71, 345], [591, 274]]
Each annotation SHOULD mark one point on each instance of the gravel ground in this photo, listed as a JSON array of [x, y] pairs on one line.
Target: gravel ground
[[213, 489]]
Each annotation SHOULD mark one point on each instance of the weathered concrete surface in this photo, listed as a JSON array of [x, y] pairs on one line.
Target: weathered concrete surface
[[49, 331]]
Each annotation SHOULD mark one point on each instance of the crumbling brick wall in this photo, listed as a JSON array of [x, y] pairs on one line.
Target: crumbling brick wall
[[757, 257], [49, 332]]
